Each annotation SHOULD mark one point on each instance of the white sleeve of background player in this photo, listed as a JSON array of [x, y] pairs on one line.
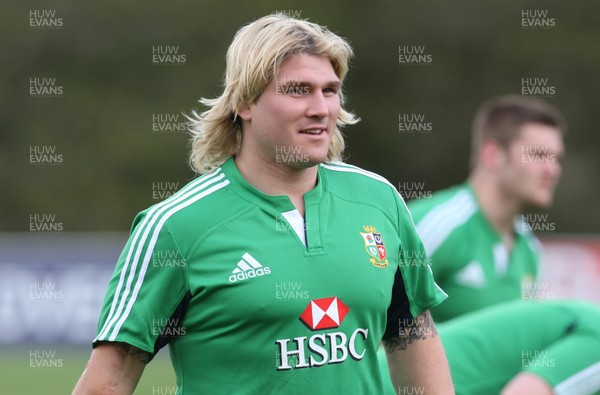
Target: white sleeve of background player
[[439, 223]]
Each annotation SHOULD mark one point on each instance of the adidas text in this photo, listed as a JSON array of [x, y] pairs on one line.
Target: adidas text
[[249, 274]]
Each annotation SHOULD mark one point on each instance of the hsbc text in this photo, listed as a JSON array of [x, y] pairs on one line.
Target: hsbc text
[[323, 348]]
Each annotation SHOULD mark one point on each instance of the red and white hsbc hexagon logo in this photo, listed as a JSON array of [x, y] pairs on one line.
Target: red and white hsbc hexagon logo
[[321, 348], [324, 313]]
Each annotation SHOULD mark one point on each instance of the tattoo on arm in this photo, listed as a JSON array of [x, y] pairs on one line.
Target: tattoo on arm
[[140, 355], [411, 330]]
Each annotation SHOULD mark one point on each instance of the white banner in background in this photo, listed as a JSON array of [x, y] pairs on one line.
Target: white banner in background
[[51, 303]]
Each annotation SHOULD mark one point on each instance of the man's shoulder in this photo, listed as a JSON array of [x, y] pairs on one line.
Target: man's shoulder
[[444, 201], [444, 217], [354, 182], [340, 174], [204, 199]]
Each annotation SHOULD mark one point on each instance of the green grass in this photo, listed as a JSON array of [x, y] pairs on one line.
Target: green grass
[[20, 375]]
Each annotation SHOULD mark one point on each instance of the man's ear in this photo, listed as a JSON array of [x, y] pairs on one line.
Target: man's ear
[[244, 112], [492, 155]]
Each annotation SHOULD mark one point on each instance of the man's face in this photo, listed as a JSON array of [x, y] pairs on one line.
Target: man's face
[[532, 168], [292, 122]]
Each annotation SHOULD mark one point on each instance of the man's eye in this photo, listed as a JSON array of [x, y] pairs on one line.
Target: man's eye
[[298, 90], [293, 90]]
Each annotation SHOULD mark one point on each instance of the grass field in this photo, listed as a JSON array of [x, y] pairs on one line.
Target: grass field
[[54, 370]]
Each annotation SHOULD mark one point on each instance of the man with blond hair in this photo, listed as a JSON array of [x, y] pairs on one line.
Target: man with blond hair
[[285, 265]]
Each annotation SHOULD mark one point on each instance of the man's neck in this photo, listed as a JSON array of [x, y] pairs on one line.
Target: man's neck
[[499, 209], [278, 179]]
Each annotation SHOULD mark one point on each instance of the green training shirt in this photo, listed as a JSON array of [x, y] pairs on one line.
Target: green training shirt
[[254, 299], [469, 261], [558, 341]]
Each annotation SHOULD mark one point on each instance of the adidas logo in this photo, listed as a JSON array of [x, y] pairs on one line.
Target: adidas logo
[[472, 276], [248, 267]]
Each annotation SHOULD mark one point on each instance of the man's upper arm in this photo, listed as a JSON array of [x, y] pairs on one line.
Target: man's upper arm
[[411, 330], [147, 295], [419, 291], [113, 368], [148, 291], [416, 358]]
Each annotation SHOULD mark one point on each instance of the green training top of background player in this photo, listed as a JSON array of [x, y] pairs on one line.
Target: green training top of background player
[[557, 341], [469, 261]]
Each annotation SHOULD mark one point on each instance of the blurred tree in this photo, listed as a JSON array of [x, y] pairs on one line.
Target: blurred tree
[[113, 92]]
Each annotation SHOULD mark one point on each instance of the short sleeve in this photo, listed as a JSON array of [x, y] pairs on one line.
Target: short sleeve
[[415, 266], [148, 291]]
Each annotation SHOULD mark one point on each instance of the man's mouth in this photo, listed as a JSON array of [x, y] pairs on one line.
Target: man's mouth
[[312, 131]]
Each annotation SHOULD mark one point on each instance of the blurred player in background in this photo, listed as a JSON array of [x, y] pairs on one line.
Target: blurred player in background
[[266, 213], [482, 252], [524, 348]]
